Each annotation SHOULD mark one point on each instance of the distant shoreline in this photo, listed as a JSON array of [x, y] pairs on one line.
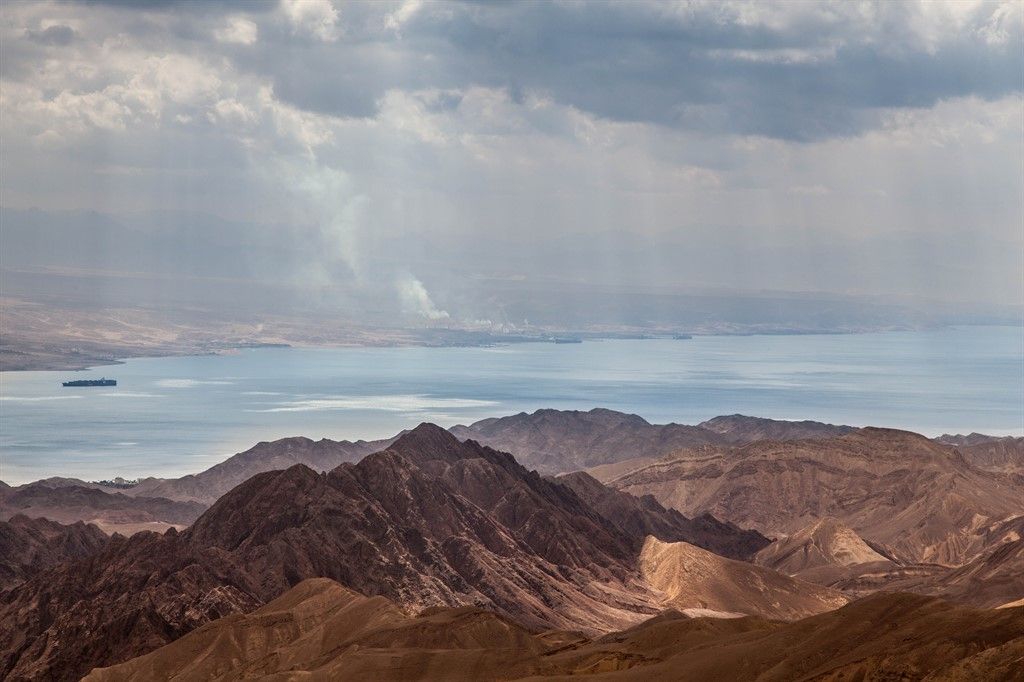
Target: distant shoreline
[[22, 357]]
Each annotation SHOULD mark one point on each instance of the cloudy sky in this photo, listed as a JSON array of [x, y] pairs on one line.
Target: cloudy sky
[[843, 147]]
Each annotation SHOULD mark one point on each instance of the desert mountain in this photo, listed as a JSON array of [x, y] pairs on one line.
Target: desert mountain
[[639, 517], [1004, 454], [694, 578], [738, 428], [430, 521], [824, 543], [912, 498], [558, 441], [321, 630], [29, 546], [990, 580], [207, 486], [159, 503], [111, 511]]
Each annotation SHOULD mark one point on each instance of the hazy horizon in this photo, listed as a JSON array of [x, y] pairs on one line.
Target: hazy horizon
[[401, 161]]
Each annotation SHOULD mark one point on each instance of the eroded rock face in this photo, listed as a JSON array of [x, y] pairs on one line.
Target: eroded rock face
[[30, 546], [430, 521], [919, 500]]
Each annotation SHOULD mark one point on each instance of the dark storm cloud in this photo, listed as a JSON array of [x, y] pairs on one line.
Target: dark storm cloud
[[813, 77]]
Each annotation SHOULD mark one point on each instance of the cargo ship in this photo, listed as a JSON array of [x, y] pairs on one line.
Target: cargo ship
[[90, 382]]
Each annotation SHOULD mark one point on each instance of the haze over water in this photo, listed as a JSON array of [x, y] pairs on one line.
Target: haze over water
[[172, 416]]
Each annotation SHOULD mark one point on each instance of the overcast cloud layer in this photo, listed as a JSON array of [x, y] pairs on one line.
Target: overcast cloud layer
[[847, 147]]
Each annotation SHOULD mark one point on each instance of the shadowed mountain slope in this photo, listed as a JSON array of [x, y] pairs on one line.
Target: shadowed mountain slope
[[320, 630], [639, 517], [29, 546]]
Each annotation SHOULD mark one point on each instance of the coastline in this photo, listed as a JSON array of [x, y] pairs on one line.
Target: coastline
[[52, 356]]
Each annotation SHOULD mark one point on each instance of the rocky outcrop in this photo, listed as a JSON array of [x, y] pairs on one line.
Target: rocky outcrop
[[30, 546]]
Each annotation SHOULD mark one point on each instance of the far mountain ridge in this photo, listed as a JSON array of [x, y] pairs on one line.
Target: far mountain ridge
[[109, 508], [562, 441]]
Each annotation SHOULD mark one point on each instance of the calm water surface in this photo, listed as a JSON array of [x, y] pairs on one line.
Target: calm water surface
[[171, 416]]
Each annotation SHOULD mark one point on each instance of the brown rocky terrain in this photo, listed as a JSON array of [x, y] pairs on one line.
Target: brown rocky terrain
[[157, 504], [694, 578], [111, 511], [639, 517], [321, 630], [908, 497], [1004, 454], [560, 441], [428, 522], [29, 546], [207, 486], [738, 428], [991, 580], [824, 543]]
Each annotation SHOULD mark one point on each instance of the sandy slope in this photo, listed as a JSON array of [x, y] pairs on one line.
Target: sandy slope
[[691, 577], [321, 631]]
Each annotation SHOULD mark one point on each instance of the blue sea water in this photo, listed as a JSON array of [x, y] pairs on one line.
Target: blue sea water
[[172, 416]]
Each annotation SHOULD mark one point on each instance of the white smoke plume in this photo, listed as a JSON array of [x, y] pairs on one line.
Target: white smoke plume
[[416, 300]]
